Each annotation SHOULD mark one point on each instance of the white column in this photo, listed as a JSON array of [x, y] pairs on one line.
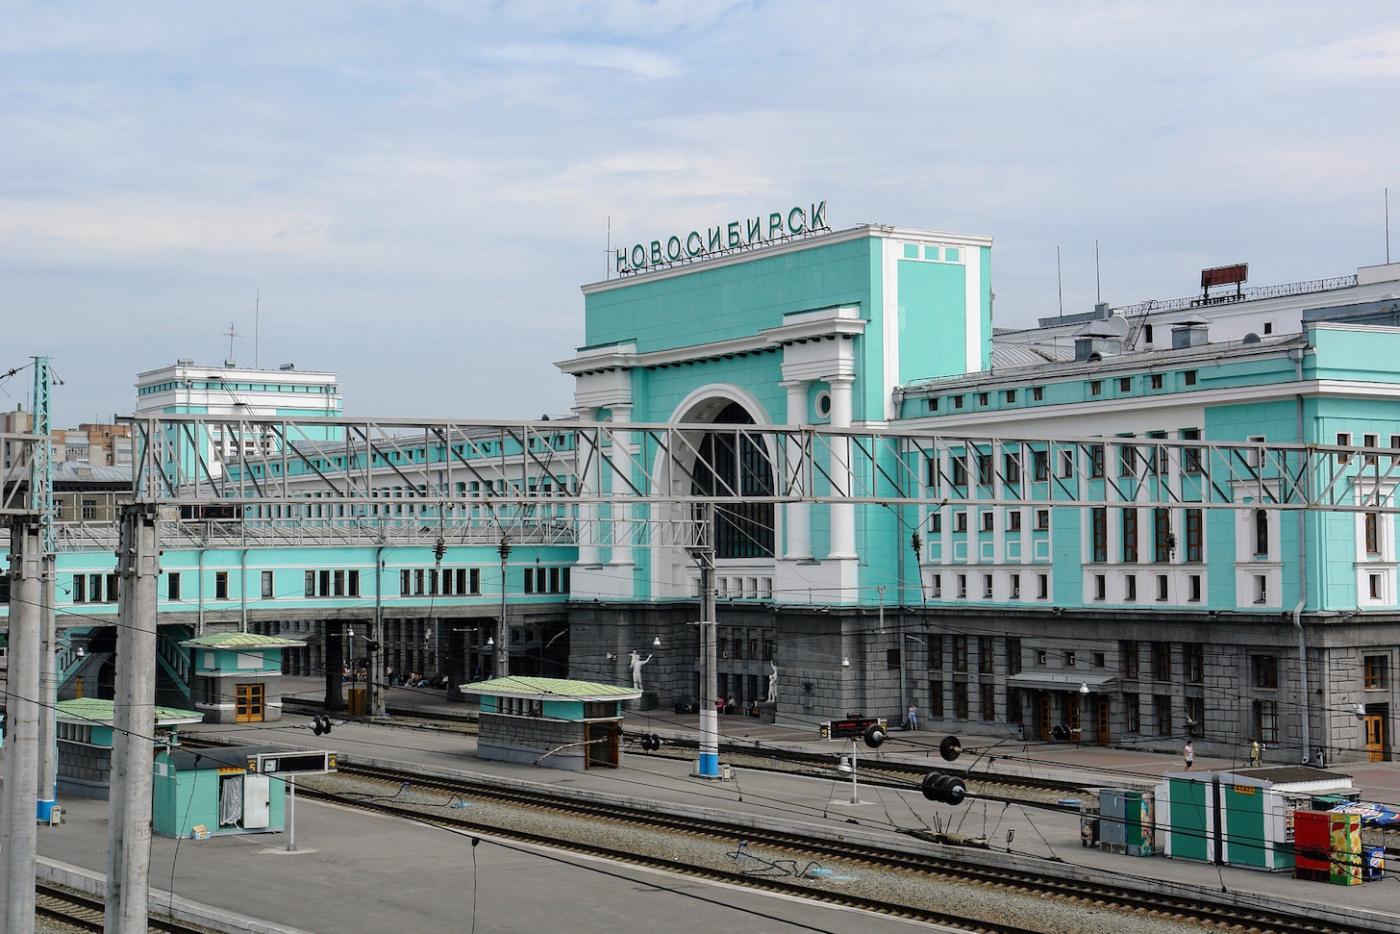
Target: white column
[[799, 515], [621, 460], [843, 515], [587, 512]]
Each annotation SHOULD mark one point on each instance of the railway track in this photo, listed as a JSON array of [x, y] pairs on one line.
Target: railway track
[[79, 910], [1097, 895]]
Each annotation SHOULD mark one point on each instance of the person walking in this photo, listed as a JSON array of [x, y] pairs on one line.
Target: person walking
[[1188, 752]]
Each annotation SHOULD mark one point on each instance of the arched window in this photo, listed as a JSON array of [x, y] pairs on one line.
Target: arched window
[[735, 464], [1261, 533]]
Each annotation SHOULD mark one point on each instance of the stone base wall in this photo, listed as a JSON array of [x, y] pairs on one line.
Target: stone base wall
[[525, 739], [85, 771]]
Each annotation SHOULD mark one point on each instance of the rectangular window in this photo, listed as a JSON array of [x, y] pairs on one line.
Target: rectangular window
[[310, 589], [419, 582], [1266, 721], [528, 580], [1156, 380], [936, 585], [1189, 377], [935, 700], [1162, 710], [1147, 333], [324, 580], [1099, 659], [986, 586], [353, 583], [960, 653], [1162, 588], [1128, 659], [1127, 460], [89, 509], [1009, 395], [984, 469], [1042, 520], [1130, 714], [933, 403], [1194, 583], [1098, 534], [1096, 460], [1194, 656], [935, 522], [1125, 384], [1040, 465], [933, 477], [1195, 536], [1066, 464], [1037, 393], [338, 576], [1161, 661], [935, 653], [960, 521], [1265, 668], [1195, 715], [1041, 656], [959, 470], [1191, 457], [221, 585], [1100, 587], [1372, 523], [1130, 536], [1369, 441], [1013, 656], [892, 659], [1043, 586], [1015, 586], [1376, 674], [1013, 520], [79, 588], [984, 655], [172, 586], [960, 700], [113, 587], [1261, 533], [267, 593], [1011, 468], [1095, 387], [989, 701], [1343, 440], [553, 580], [962, 586], [957, 402], [1071, 658], [1130, 588], [982, 398], [988, 521]]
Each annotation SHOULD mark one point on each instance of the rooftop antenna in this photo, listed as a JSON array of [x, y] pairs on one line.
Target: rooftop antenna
[[257, 314], [1059, 281], [1387, 226], [230, 334], [607, 256], [1098, 285]]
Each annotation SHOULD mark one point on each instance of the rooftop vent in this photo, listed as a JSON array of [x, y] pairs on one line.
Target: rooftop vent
[[1190, 332], [1099, 339], [184, 361], [287, 366]]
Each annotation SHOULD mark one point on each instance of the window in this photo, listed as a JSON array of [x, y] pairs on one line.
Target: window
[[1162, 540], [113, 587], [528, 580], [933, 403], [1041, 657], [1195, 715], [1100, 587], [982, 398], [1125, 384], [1194, 656], [1130, 536], [1128, 659], [1375, 672], [476, 580], [986, 586], [1015, 587], [984, 469], [310, 588], [221, 585], [1194, 536], [1042, 586], [935, 653], [892, 660], [79, 588], [1147, 333], [1009, 395], [1042, 520], [1130, 713], [933, 477], [936, 585], [1098, 534], [957, 402], [1343, 440], [960, 653], [1155, 380], [1189, 377], [1037, 393], [353, 579], [1194, 584], [1162, 710], [172, 586], [1011, 468], [1013, 656], [959, 471], [1066, 464], [935, 699], [1266, 721], [1161, 654], [1162, 588], [1370, 441], [1130, 588], [1191, 457], [989, 701], [1265, 668], [1099, 659], [267, 593], [1268, 327], [935, 522], [1261, 589], [984, 655], [960, 700], [1013, 520], [1261, 534], [1040, 465], [1127, 460], [1372, 534], [962, 586], [1095, 387], [1096, 460], [89, 509], [960, 521], [1070, 658], [988, 521]]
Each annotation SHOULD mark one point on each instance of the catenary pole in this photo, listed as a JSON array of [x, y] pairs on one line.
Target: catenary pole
[[20, 836], [502, 629], [707, 764], [41, 504], [129, 829]]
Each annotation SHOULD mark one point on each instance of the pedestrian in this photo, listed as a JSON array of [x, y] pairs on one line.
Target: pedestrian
[[1255, 753], [911, 719], [1188, 752]]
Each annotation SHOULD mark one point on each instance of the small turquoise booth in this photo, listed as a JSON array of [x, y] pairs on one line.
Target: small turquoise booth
[[218, 791], [84, 727], [236, 677], [552, 722]]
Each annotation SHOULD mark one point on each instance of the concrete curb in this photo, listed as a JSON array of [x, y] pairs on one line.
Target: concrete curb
[[190, 912]]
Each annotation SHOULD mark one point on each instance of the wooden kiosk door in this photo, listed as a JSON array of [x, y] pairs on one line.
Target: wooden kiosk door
[[248, 703], [1102, 711], [1042, 718], [1073, 717], [603, 740], [1374, 725]]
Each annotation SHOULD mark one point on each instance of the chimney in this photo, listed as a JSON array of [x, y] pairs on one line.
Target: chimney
[[1190, 332]]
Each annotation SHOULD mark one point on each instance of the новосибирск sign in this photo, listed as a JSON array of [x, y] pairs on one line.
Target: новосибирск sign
[[735, 235]]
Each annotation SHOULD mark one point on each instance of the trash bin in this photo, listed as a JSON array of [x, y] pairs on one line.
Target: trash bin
[[1373, 866]]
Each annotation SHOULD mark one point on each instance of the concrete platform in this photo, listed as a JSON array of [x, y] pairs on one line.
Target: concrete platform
[[815, 803], [361, 872]]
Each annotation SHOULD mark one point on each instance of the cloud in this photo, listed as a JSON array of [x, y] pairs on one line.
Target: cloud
[[637, 63]]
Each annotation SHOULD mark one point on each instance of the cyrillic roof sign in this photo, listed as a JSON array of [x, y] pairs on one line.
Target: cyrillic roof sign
[[743, 234]]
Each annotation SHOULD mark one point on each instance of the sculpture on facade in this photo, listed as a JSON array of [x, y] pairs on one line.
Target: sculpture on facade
[[773, 683], [636, 664]]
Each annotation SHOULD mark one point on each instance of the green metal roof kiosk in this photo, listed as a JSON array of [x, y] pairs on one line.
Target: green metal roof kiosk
[[551, 722]]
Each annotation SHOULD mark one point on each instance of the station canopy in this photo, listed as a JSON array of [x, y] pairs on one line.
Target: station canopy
[[551, 689], [99, 710], [240, 640]]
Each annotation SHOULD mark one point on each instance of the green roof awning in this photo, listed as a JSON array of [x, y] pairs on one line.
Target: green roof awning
[[551, 689], [240, 640], [99, 710]]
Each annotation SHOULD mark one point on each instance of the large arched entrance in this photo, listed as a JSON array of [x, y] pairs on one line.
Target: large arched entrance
[[736, 464]]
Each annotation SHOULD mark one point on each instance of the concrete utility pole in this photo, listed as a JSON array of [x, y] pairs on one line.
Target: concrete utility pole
[[378, 688], [707, 764], [133, 742], [20, 837], [41, 503], [503, 630]]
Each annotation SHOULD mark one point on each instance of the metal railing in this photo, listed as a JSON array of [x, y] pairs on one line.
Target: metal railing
[[1254, 294]]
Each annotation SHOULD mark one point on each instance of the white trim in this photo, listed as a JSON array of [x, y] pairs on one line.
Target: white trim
[[889, 309], [972, 311]]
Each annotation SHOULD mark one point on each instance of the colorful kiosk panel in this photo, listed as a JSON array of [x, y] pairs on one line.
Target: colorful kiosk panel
[[212, 791], [1240, 818], [1127, 822], [236, 677], [85, 732], [552, 722]]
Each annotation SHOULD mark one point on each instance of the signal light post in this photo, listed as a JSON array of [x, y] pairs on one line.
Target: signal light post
[[707, 762]]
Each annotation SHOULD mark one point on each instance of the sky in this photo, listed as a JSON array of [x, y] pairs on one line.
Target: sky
[[413, 193]]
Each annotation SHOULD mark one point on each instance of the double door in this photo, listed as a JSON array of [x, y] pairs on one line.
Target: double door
[[1374, 727], [248, 703]]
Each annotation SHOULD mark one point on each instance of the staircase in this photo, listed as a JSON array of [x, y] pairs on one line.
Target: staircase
[[173, 660]]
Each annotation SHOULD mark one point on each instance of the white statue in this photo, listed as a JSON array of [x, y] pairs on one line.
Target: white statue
[[636, 664], [773, 684]]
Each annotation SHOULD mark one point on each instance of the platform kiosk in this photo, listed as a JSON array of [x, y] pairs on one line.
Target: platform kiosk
[[85, 732], [216, 791], [552, 722], [236, 677]]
